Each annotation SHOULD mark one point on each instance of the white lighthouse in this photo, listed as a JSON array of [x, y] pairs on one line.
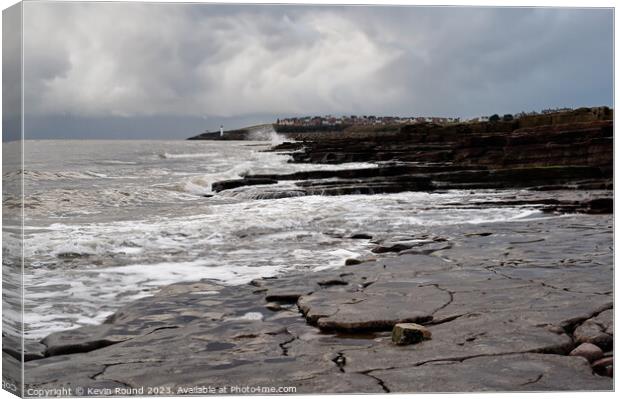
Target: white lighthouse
[[221, 130]]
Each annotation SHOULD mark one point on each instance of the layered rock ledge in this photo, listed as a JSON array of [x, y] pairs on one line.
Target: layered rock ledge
[[568, 150]]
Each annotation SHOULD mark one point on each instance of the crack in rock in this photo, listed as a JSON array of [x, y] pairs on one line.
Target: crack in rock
[[533, 381], [450, 293], [379, 380], [283, 346]]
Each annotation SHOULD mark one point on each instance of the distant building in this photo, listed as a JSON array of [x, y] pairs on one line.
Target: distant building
[[366, 120]]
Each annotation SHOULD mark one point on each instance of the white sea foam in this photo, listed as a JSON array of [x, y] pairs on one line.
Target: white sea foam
[[250, 316], [166, 155], [233, 244], [116, 162], [60, 175], [257, 163], [160, 274]]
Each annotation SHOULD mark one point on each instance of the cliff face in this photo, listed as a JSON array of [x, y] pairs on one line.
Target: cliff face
[[583, 137]]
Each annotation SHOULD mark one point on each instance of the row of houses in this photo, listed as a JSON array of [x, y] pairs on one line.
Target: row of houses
[[360, 120], [477, 119], [391, 120], [543, 112]]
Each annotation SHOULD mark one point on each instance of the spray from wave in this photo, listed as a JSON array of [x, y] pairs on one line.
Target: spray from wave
[[267, 133]]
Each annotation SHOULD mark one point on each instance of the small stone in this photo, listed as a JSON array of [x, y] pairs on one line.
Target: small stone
[[273, 306], [604, 366], [391, 247], [72, 255], [589, 351], [352, 261], [285, 296], [555, 329], [409, 333], [483, 234]]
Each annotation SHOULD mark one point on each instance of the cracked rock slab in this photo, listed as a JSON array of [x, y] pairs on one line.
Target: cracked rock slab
[[522, 372], [377, 308], [463, 337]]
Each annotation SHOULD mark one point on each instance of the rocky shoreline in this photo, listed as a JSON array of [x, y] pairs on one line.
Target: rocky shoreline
[[565, 151], [506, 303], [509, 306]]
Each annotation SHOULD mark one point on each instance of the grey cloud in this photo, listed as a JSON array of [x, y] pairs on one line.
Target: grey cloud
[[140, 60]]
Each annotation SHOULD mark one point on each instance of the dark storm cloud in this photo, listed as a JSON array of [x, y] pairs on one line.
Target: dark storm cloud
[[133, 62]]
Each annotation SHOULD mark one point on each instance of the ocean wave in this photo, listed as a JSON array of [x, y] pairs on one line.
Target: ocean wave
[[167, 155], [116, 162], [257, 163], [201, 184], [33, 174]]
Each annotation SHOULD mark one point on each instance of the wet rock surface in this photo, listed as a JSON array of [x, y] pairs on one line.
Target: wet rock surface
[[506, 303], [395, 179]]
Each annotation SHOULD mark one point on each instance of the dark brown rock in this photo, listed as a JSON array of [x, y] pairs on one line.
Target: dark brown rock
[[604, 366], [588, 351], [409, 333]]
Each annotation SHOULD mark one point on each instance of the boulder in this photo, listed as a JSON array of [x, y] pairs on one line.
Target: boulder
[[588, 351], [591, 332]]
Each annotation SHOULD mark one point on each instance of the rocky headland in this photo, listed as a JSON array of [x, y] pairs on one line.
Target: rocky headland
[[258, 133], [507, 306], [568, 150]]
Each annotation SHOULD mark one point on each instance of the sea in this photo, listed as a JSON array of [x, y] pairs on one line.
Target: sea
[[107, 222]]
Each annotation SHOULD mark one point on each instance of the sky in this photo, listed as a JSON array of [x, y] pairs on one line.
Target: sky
[[140, 70]]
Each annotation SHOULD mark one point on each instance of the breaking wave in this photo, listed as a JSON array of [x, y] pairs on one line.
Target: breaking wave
[[166, 155]]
